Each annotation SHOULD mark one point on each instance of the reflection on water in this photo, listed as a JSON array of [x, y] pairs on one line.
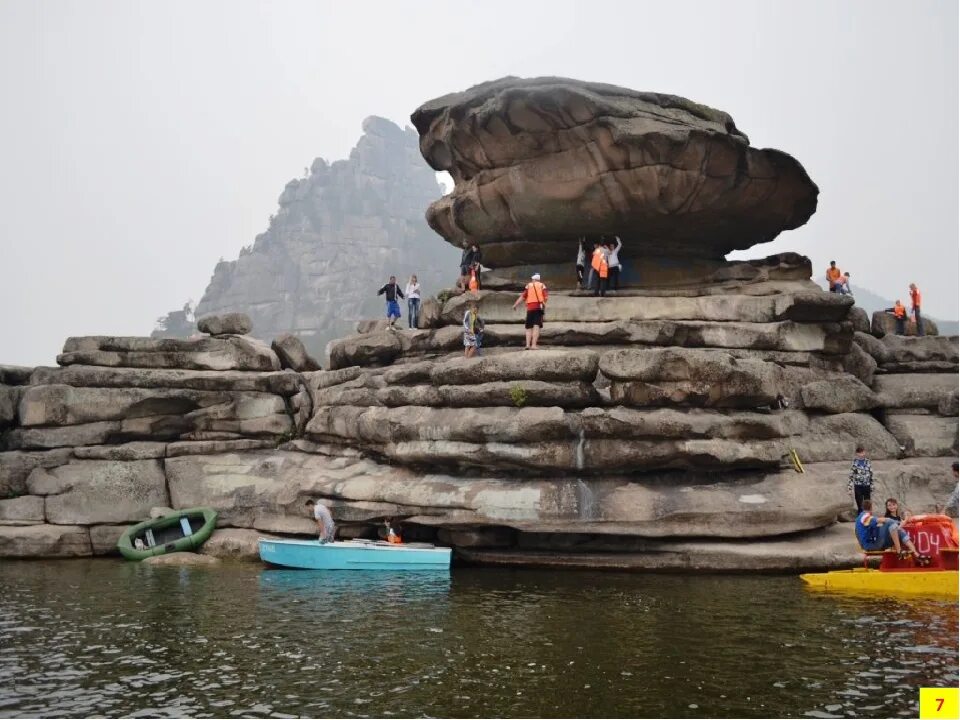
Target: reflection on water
[[111, 638]]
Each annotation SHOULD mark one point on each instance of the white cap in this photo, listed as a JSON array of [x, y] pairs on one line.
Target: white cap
[[536, 276]]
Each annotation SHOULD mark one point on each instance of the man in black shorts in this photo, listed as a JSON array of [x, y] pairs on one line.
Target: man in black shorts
[[535, 297]]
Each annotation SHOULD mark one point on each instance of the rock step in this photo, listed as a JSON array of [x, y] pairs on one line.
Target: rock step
[[810, 306], [230, 352], [831, 548], [283, 382], [383, 348], [597, 441]]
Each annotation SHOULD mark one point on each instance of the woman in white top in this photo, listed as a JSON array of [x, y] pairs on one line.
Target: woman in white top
[[613, 263], [413, 302], [581, 262]]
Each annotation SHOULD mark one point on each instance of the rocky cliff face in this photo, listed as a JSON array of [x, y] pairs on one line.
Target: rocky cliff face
[[338, 234], [655, 429]]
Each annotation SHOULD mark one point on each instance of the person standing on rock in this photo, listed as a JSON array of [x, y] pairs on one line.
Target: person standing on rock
[[860, 484], [952, 506], [471, 256], [472, 330], [326, 528], [600, 269], [900, 315], [581, 262], [915, 307], [413, 302], [613, 262], [392, 291], [535, 296], [834, 277]]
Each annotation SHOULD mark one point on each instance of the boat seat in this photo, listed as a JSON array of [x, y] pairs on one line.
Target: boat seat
[[149, 537], [185, 526]]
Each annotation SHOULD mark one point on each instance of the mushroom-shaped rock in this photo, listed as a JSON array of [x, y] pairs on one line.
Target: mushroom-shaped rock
[[538, 162]]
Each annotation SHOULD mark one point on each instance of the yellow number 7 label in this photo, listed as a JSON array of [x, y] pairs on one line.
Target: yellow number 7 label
[[939, 703]]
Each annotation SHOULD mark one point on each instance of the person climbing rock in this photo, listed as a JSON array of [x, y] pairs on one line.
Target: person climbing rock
[[900, 315], [845, 285], [613, 263], [472, 330], [412, 292], [860, 484], [392, 291], [535, 297], [834, 277], [915, 307]]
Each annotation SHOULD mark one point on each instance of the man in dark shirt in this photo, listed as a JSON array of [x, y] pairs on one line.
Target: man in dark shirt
[[392, 291], [471, 257]]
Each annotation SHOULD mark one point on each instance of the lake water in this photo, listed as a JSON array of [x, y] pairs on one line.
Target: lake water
[[106, 637]]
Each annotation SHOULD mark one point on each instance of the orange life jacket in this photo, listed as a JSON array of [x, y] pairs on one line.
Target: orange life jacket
[[536, 294], [915, 298], [596, 259], [899, 311], [833, 275], [474, 281], [394, 539]]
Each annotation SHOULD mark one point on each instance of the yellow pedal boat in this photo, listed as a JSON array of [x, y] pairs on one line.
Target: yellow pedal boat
[[935, 537], [925, 582]]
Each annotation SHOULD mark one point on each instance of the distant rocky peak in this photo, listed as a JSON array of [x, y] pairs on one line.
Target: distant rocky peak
[[338, 232]]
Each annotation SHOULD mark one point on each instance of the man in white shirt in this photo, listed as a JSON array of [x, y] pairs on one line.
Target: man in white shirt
[[325, 525]]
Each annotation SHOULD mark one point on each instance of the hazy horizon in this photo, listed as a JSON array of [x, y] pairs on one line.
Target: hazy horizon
[[143, 141]]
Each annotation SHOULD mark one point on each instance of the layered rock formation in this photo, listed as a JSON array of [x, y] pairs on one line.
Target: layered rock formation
[[539, 162], [337, 236], [654, 430]]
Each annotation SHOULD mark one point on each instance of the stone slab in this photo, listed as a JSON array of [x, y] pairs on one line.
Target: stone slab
[[95, 492], [40, 541]]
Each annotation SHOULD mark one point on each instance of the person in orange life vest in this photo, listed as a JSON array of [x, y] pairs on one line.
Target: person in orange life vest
[[535, 296], [834, 277], [900, 313], [915, 308], [392, 537], [474, 283], [601, 269]]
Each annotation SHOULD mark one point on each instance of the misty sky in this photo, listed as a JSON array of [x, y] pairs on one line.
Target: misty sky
[[140, 142]]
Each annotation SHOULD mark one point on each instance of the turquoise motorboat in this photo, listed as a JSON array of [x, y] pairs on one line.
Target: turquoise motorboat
[[354, 555]]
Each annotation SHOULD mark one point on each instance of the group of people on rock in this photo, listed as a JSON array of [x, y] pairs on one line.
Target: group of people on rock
[[393, 294], [839, 282], [875, 532], [598, 264]]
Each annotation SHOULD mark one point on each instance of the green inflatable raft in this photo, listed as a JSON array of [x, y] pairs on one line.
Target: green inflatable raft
[[184, 530]]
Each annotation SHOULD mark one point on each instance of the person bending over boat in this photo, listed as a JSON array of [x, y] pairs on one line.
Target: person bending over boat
[[325, 524], [879, 533]]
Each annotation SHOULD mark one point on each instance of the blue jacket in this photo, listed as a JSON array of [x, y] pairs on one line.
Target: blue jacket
[[868, 532]]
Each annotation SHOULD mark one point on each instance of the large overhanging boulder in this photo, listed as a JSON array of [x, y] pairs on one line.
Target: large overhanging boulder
[[538, 162]]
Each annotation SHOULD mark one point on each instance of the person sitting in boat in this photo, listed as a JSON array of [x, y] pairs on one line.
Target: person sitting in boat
[[325, 525], [879, 533], [392, 537], [894, 512]]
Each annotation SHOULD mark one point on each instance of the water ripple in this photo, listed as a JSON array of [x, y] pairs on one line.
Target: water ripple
[[112, 639]]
